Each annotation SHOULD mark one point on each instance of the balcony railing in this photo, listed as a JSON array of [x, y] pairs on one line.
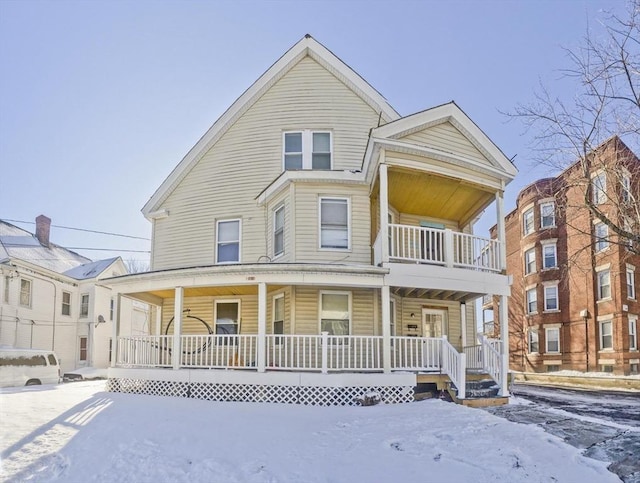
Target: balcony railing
[[408, 243]]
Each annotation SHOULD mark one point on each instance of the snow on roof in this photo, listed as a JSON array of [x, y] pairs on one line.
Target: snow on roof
[[90, 270], [19, 244]]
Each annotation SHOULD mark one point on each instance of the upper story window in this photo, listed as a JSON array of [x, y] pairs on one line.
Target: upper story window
[[631, 283], [532, 340], [84, 305], [599, 188], [633, 332], [112, 306], [625, 185], [552, 340], [278, 231], [66, 303], [532, 301], [307, 150], [25, 292], [334, 223], [604, 284], [7, 279], [551, 297], [530, 261], [547, 214], [550, 255], [601, 233], [228, 241], [527, 222]]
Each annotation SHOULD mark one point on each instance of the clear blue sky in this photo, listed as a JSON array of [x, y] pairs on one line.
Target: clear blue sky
[[100, 100]]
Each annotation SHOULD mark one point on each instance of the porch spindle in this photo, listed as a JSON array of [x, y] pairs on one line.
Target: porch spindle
[[325, 351], [177, 328]]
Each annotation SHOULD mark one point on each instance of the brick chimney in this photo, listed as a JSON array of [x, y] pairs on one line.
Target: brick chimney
[[43, 225]]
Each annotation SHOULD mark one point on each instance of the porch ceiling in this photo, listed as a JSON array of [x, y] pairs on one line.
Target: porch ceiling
[[430, 195], [207, 291], [433, 294]]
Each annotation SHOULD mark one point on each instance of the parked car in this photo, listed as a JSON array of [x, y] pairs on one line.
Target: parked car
[[28, 367]]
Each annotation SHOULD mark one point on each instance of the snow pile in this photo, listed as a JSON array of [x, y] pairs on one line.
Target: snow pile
[[76, 432]]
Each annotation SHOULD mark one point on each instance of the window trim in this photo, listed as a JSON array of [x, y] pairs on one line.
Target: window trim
[[527, 270], [7, 289], [600, 286], [530, 332], [625, 184], [601, 334], [601, 241], [554, 247], [526, 229], [307, 148], [349, 305], [215, 314], [86, 349], [334, 198], [599, 193], [554, 286], [282, 230], [633, 332], [81, 313], [67, 305], [553, 214], [278, 340], [547, 331], [30, 303], [631, 287], [239, 241], [534, 291]]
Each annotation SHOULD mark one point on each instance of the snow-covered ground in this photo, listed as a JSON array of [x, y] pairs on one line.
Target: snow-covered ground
[[78, 433]]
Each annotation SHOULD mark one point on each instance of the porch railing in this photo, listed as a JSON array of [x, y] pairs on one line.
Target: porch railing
[[453, 364], [491, 359], [416, 353], [145, 351], [439, 247], [474, 356]]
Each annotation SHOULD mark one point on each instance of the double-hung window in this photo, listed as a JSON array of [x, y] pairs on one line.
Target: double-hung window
[[278, 231], [604, 284], [532, 301], [278, 316], [66, 303], [551, 298], [552, 340], [550, 255], [601, 232], [532, 340], [228, 241], [25, 292], [633, 332], [335, 313], [547, 214], [84, 305], [7, 279], [334, 223], [625, 183], [527, 222], [307, 150], [599, 188], [606, 334], [530, 261], [631, 283]]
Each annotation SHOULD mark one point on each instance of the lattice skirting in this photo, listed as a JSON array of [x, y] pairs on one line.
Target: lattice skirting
[[310, 395]]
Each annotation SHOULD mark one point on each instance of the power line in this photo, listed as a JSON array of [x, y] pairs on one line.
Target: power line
[[81, 229], [18, 245]]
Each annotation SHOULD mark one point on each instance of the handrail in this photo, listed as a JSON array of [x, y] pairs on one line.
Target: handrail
[[491, 359], [454, 365]]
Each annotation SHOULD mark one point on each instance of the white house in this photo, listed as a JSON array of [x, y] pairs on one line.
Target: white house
[[314, 245], [53, 298]]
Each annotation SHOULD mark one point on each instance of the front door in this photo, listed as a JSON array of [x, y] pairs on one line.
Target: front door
[[434, 323]]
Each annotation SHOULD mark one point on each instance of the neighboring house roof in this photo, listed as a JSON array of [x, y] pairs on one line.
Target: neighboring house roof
[[305, 47], [18, 244]]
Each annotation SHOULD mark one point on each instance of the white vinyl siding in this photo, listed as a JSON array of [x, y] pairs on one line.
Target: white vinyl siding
[[225, 182]]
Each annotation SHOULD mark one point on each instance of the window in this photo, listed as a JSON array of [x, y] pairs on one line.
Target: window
[[112, 304], [633, 332], [278, 231], [553, 368], [550, 255], [530, 261], [278, 316], [110, 349], [83, 349], [625, 184], [66, 303], [604, 285], [599, 188], [334, 223], [7, 279], [631, 284], [548, 214], [25, 292], [228, 241], [527, 222], [552, 339], [84, 305], [307, 150], [335, 313], [601, 232], [551, 297], [532, 340], [392, 317], [532, 299], [606, 335], [227, 316]]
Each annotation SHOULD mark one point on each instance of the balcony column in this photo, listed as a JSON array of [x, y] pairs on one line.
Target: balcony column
[[463, 322], [384, 210], [176, 351], [262, 327], [504, 353], [502, 237], [386, 329], [158, 319], [115, 329]]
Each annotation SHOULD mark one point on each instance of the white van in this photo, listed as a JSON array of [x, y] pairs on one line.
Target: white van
[[28, 367]]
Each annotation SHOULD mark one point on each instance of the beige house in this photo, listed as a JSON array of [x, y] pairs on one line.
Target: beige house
[[314, 245]]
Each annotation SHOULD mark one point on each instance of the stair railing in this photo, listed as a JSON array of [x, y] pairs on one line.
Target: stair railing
[[454, 365], [491, 359]]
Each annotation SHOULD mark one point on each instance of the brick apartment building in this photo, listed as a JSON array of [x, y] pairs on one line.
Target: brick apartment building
[[574, 302]]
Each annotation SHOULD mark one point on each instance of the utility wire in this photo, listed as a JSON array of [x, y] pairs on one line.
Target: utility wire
[[14, 245], [80, 229]]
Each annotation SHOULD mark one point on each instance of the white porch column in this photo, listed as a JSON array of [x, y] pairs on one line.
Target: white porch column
[[115, 329], [384, 211], [463, 322], [504, 336], [177, 328], [386, 329], [502, 237], [262, 327], [158, 320]]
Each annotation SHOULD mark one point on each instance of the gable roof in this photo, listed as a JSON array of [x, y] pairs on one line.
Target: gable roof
[[307, 46], [91, 269]]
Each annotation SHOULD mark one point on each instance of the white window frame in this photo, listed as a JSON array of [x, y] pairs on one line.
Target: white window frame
[[534, 300], [86, 349], [625, 184], [84, 306], [238, 241], [112, 306], [599, 188], [553, 214], [554, 249], [349, 302], [631, 283], [216, 302], [633, 332], [7, 290], [547, 338], [279, 231], [67, 304], [26, 293], [600, 274], [601, 335], [554, 288], [348, 203], [530, 259], [307, 147], [601, 235], [533, 338], [528, 222], [277, 297]]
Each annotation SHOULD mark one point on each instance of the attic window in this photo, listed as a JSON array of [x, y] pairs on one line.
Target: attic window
[[307, 150]]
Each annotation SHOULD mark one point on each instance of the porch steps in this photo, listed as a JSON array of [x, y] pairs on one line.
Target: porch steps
[[481, 391]]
